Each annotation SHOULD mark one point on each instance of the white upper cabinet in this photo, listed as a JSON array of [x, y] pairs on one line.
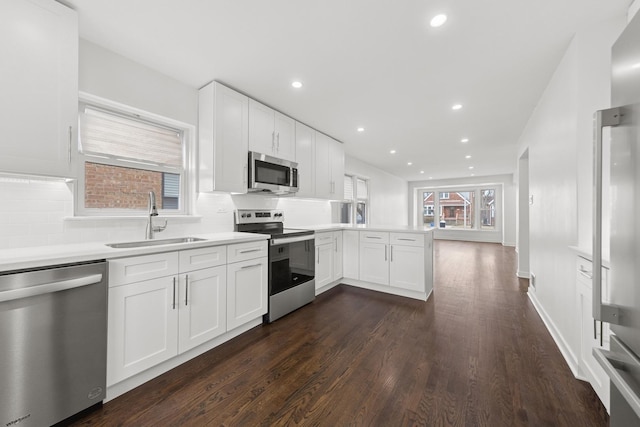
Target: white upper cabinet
[[329, 168], [39, 102], [224, 139], [305, 155], [271, 132]]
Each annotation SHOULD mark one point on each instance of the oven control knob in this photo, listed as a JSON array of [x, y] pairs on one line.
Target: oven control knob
[[248, 215]]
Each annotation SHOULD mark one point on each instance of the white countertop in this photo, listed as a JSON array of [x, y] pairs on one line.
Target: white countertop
[[388, 228], [587, 254], [42, 256]]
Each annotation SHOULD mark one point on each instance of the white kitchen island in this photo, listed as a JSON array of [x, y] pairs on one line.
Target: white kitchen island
[[391, 259]]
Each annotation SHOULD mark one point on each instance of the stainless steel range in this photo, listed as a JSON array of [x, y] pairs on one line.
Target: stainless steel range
[[291, 260]]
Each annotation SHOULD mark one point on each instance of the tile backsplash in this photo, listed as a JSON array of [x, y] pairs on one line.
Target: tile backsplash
[[38, 213]]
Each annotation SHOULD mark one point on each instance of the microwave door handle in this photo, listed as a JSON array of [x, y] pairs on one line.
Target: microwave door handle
[[603, 312]]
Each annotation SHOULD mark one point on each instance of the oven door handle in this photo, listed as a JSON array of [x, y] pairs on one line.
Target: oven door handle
[[285, 240]]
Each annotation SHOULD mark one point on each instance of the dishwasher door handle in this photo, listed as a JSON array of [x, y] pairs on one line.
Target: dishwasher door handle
[[48, 288]]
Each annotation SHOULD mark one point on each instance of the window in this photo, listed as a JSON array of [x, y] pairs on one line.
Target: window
[[458, 209], [124, 157], [427, 208], [356, 197], [488, 209]]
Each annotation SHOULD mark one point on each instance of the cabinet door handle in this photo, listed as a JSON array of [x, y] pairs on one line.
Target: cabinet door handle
[[244, 175], [273, 141], [174, 294], [585, 273], [408, 240], [385, 252], [391, 258], [373, 237], [249, 250], [250, 266], [70, 142], [336, 242], [604, 312], [318, 257], [186, 290]]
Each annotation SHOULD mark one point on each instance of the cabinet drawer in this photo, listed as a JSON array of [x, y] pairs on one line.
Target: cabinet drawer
[[374, 236], [195, 259], [407, 239], [584, 271], [136, 269], [245, 251], [322, 238]]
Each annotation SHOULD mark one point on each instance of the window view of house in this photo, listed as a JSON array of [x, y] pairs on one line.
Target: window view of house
[[458, 210], [488, 209]]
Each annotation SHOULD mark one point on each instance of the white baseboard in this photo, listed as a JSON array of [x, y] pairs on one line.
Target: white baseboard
[[564, 348]]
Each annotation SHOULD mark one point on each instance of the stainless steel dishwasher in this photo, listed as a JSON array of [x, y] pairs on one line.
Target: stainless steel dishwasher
[[53, 342]]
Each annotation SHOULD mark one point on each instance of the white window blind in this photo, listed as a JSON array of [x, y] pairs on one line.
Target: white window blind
[[105, 133], [348, 187], [362, 190]]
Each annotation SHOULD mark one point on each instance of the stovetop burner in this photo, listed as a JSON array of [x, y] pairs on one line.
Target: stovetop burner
[[265, 222]]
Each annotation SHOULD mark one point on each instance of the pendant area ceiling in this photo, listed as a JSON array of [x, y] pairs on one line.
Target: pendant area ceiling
[[371, 64]]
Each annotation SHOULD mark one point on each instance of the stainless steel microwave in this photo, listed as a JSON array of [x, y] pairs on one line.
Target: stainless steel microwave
[[271, 174]]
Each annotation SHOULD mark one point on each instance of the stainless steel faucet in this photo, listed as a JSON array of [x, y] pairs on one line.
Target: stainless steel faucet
[[153, 211]]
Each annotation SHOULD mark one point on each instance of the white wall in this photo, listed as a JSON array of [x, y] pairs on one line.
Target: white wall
[[506, 224], [35, 213], [558, 139], [388, 193]]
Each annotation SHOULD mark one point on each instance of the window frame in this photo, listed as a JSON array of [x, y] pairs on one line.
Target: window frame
[[477, 190], [357, 200], [186, 172]]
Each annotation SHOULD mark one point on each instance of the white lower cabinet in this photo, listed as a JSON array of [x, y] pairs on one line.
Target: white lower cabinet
[[407, 261], [374, 257], [351, 254], [395, 259], [246, 291], [590, 334], [324, 259], [163, 305], [143, 327], [202, 306], [338, 264]]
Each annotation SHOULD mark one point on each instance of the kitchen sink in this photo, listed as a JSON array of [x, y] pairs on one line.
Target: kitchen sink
[[144, 243]]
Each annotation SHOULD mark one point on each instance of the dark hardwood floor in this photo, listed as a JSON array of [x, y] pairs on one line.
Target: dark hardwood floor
[[475, 354]]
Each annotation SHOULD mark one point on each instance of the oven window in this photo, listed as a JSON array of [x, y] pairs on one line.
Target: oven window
[[269, 173], [291, 264]]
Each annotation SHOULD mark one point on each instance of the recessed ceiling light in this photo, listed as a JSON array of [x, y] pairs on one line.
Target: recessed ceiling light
[[636, 65], [438, 20], [464, 140], [456, 106], [296, 84], [467, 156], [409, 163], [470, 167], [473, 174], [360, 129], [430, 177], [392, 151], [421, 171]]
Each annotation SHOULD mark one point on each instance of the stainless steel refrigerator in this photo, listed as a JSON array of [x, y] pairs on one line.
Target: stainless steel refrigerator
[[621, 307]]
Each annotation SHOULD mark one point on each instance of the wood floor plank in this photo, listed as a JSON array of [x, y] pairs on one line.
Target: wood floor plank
[[475, 354]]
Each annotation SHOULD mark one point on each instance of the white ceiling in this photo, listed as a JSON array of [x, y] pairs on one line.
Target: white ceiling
[[370, 63]]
